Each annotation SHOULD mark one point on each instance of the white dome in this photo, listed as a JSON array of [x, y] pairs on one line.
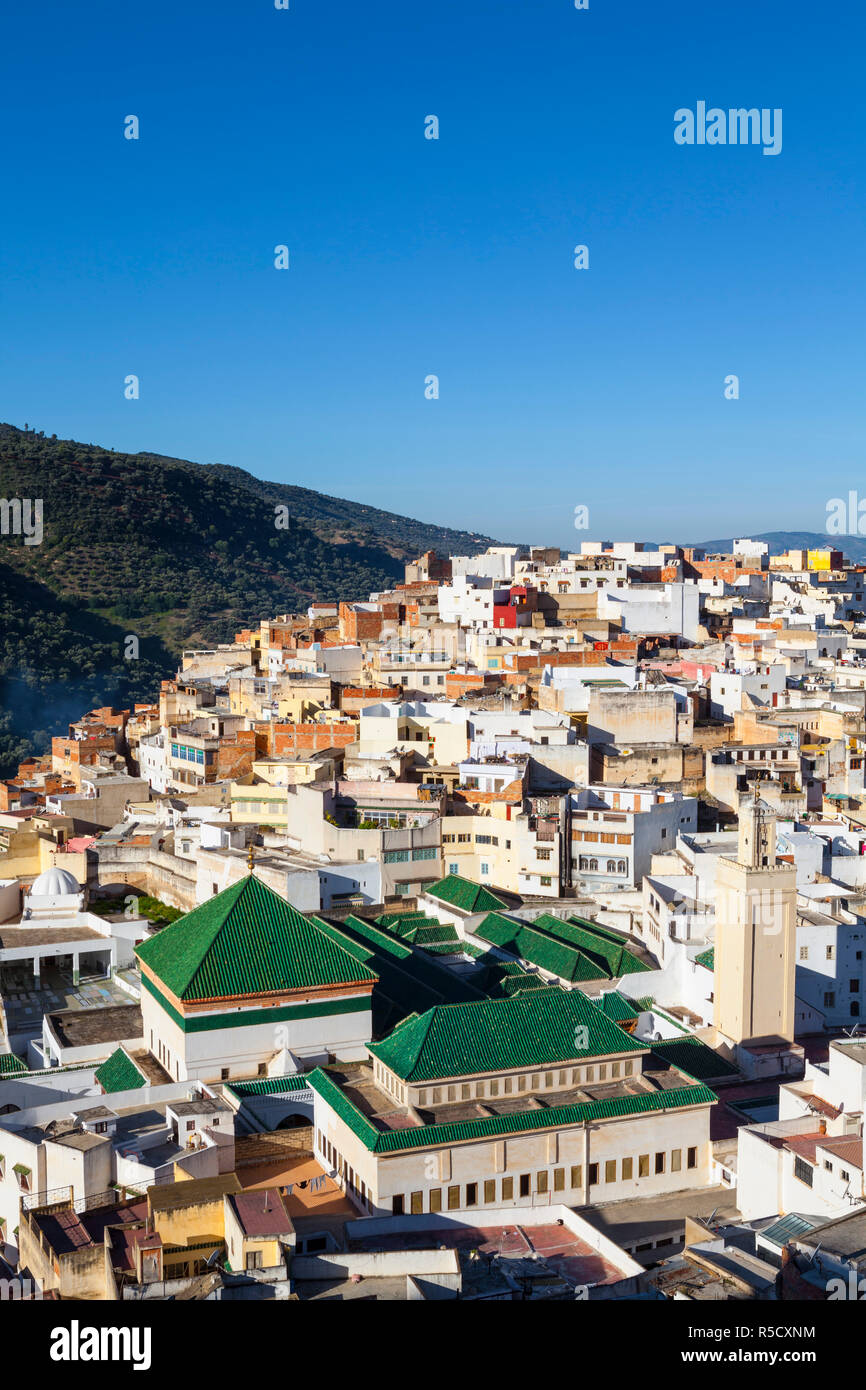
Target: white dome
[[55, 883]]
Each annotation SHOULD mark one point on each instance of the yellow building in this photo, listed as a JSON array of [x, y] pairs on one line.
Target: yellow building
[[258, 1229], [261, 799], [825, 559]]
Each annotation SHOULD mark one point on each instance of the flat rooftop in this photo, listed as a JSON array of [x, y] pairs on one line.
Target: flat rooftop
[[87, 1027], [562, 1251], [13, 938], [358, 1083]]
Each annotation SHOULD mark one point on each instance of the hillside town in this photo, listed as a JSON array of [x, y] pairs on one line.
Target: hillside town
[[499, 937]]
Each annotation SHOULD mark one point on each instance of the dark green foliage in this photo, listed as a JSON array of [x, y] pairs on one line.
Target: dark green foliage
[[176, 553]]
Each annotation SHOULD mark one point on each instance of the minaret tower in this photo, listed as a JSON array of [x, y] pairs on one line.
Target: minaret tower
[[756, 912]]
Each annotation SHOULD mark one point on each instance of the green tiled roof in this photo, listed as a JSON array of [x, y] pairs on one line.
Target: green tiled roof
[[417, 929], [540, 948], [270, 1086], [553, 1117], [530, 1030], [408, 981], [707, 958], [248, 941], [693, 1057], [617, 1007], [10, 1065], [434, 933], [465, 895], [513, 984], [120, 1073], [609, 950]]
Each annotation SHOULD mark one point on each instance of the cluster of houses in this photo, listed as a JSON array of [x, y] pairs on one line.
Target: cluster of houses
[[526, 897]]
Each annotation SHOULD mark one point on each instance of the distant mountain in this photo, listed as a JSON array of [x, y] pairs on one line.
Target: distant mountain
[[173, 552], [852, 547]]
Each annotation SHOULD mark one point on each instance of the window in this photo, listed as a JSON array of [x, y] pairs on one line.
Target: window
[[254, 1259], [576, 1175], [804, 953], [660, 1163], [508, 1189], [803, 1170], [224, 1074], [692, 1158], [627, 1167], [525, 1184], [416, 1203], [830, 952], [485, 870], [397, 1204], [490, 1191], [559, 1179], [593, 1174], [435, 1198], [453, 1198], [676, 1160], [472, 1194], [855, 986], [829, 999], [541, 1184], [610, 1170], [643, 1166]]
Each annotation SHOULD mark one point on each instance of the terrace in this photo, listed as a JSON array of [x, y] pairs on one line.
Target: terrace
[[360, 1088]]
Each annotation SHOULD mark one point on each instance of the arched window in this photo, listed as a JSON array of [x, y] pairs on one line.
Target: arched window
[[593, 865], [621, 866], [611, 866]]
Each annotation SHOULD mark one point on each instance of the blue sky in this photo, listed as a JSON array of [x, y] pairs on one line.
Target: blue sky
[[558, 387]]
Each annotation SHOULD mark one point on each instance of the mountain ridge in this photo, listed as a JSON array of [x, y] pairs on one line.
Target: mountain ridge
[[173, 552]]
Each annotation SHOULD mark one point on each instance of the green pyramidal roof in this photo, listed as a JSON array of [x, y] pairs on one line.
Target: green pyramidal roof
[[532, 1029], [119, 1073], [248, 941], [463, 894]]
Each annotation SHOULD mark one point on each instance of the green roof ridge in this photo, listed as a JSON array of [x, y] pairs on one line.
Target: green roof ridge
[[529, 1030]]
